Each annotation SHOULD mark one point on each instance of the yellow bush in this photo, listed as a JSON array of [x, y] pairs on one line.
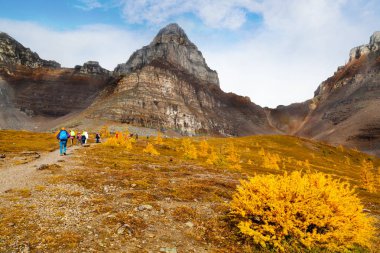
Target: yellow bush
[[104, 132], [203, 148], [189, 150], [233, 158], [213, 157], [271, 161], [150, 149], [158, 139], [294, 211], [367, 177], [119, 142]]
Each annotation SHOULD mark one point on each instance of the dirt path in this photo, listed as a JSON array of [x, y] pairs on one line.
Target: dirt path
[[26, 175]]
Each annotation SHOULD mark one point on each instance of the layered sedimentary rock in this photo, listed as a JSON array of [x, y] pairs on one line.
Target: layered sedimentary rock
[[344, 109], [34, 87], [161, 96], [168, 84]]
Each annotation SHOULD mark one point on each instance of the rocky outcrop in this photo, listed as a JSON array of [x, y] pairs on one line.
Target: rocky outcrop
[[373, 46], [13, 53], [173, 46], [92, 68], [32, 88]]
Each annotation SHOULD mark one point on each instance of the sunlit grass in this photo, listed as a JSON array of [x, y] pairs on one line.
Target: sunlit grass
[[118, 179]]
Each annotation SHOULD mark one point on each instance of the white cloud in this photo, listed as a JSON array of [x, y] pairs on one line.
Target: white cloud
[[230, 14], [300, 44], [106, 44]]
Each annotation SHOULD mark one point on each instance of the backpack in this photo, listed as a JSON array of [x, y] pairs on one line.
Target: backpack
[[62, 135]]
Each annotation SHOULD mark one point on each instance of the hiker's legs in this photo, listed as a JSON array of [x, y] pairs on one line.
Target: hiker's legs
[[61, 147], [64, 147]]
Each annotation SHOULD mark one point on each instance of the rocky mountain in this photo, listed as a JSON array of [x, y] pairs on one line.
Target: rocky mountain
[[168, 85], [36, 91], [344, 109], [171, 45]]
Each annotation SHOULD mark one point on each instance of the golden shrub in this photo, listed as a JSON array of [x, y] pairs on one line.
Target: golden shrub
[[203, 148], [367, 177], [271, 161], [119, 142], [213, 157], [232, 158], [150, 149], [158, 140], [292, 212], [105, 132], [189, 150]]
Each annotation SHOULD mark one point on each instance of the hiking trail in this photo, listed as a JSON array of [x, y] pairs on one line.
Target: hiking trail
[[27, 174]]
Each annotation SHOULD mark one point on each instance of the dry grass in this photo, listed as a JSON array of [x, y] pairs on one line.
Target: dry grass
[[109, 183], [12, 141]]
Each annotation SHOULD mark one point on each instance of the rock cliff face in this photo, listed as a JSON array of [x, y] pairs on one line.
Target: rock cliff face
[[344, 109], [32, 87], [171, 45], [161, 96], [168, 84], [13, 53]]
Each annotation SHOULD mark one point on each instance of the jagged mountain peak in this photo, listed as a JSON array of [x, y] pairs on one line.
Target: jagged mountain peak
[[172, 33], [171, 47]]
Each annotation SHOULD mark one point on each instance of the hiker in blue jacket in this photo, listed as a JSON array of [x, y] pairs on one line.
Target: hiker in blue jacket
[[62, 136]]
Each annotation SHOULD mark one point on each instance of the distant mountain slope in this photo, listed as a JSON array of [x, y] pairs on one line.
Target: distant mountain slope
[[345, 108], [36, 90]]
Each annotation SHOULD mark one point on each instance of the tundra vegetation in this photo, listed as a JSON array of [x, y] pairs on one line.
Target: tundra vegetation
[[246, 194]]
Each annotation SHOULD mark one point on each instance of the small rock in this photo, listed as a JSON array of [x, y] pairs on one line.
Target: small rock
[[189, 224], [11, 224], [366, 210], [43, 167], [122, 229], [2, 156], [144, 207], [168, 250], [162, 211], [133, 185]]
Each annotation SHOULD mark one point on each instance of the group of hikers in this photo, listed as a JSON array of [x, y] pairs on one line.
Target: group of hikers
[[64, 136]]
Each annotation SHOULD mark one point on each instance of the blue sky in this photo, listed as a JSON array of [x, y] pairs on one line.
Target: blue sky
[[274, 51]]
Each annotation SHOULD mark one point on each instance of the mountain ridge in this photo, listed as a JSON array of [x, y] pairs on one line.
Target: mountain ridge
[[168, 85]]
